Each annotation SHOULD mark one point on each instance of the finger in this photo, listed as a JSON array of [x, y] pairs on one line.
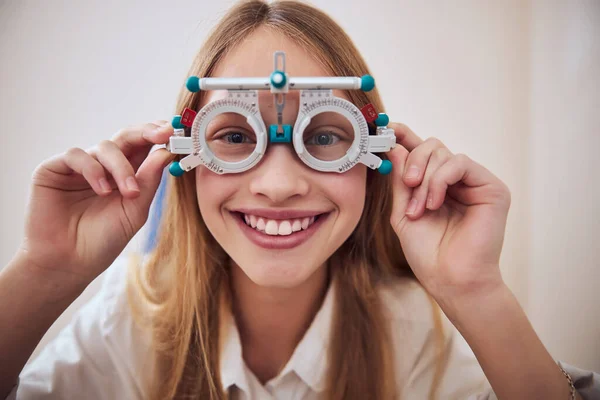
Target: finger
[[115, 162], [405, 136], [418, 160], [143, 136], [150, 173], [418, 203], [401, 193], [478, 185], [77, 161]]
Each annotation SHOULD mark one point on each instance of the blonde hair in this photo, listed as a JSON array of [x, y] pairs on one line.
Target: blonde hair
[[184, 281]]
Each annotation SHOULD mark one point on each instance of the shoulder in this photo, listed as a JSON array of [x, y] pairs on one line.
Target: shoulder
[[117, 318], [110, 308], [99, 353]]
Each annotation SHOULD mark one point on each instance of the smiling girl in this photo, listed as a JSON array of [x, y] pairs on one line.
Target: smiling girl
[[279, 282]]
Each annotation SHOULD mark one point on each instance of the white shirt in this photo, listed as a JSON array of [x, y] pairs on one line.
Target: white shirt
[[103, 354]]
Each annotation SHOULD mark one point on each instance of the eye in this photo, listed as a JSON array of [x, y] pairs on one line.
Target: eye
[[234, 137], [323, 139]]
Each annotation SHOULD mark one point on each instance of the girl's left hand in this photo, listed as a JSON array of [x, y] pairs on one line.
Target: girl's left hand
[[450, 214]]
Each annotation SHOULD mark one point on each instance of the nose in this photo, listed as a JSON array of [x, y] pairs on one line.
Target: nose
[[280, 176]]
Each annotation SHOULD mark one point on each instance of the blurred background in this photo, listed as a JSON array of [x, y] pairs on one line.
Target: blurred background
[[514, 84]]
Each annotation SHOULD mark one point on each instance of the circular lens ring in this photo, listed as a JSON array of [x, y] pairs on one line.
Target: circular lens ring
[[309, 110], [238, 105]]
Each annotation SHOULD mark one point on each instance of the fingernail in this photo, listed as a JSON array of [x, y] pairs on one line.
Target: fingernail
[[104, 185], [132, 184], [412, 206], [429, 201], [161, 128], [412, 173]]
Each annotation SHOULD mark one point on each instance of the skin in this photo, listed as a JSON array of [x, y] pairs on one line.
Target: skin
[[86, 205], [277, 292]]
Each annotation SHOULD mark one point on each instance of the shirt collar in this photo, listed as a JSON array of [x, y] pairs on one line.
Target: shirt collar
[[232, 363], [309, 360]]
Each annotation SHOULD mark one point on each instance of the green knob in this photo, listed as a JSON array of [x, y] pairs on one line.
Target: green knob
[[278, 79], [175, 169], [193, 84], [176, 122], [385, 167], [382, 120], [367, 83]]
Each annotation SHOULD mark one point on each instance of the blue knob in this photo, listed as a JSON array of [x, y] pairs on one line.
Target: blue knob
[[193, 84], [176, 122], [278, 79], [382, 120], [175, 169], [385, 167], [367, 83]]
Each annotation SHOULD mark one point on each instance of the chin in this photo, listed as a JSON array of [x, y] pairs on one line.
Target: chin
[[278, 273]]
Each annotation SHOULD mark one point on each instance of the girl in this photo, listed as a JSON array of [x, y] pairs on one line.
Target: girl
[[348, 307]]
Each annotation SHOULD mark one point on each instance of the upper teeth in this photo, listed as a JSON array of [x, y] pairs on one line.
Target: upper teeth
[[278, 227]]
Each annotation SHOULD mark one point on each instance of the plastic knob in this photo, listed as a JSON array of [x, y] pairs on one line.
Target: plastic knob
[[176, 122], [382, 120], [175, 169], [385, 167], [193, 84], [367, 83], [278, 79]]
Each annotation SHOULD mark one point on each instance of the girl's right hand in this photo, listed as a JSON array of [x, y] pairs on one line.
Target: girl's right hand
[[85, 206]]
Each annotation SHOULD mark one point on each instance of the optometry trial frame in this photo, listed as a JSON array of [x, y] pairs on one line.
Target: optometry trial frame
[[329, 150]]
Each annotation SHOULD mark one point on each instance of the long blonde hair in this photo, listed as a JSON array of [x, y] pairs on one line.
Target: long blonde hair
[[183, 281]]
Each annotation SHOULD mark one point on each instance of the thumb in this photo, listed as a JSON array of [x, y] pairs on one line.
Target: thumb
[[401, 193]]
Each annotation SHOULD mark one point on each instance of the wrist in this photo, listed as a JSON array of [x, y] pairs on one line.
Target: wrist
[[54, 284], [463, 305], [513, 358]]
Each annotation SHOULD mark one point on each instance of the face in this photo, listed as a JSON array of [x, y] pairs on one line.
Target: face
[[281, 220]]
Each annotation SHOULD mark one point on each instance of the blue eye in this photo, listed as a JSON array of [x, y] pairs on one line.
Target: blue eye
[[323, 139]]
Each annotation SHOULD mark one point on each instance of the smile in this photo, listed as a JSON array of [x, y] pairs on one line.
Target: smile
[[279, 230], [275, 227]]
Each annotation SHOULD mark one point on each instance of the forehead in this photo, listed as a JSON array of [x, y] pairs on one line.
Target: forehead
[[254, 58]]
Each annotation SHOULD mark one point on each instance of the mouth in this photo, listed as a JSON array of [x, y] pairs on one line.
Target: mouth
[[279, 233]]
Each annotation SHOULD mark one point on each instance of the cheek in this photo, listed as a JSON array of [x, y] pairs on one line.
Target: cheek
[[212, 190], [348, 191]]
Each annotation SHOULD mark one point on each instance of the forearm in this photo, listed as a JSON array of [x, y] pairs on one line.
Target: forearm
[[513, 358], [29, 304]]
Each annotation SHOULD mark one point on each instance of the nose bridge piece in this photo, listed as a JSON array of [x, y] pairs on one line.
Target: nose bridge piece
[[285, 136], [280, 86]]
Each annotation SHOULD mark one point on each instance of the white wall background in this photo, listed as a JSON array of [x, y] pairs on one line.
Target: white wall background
[[514, 84]]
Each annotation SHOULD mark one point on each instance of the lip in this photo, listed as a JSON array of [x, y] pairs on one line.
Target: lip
[[275, 242], [279, 214]]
